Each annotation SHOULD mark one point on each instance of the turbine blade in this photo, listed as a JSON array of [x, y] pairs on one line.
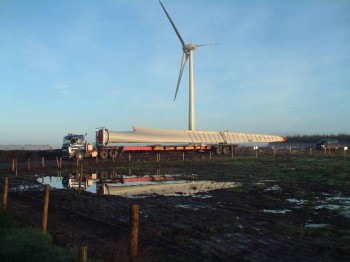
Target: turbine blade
[[172, 23], [207, 44], [183, 63]]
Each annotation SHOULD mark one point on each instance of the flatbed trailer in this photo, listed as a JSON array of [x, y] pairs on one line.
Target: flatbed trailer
[[117, 151]]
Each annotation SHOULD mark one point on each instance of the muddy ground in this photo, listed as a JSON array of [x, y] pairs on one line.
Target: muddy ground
[[284, 208]]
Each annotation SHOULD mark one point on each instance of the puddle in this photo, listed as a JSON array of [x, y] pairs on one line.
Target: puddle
[[276, 211], [135, 186], [338, 202], [273, 188], [316, 225]]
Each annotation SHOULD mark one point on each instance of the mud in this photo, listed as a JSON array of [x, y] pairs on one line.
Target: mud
[[279, 211]]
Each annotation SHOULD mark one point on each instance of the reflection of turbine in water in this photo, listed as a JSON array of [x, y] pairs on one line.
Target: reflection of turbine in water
[[187, 49]]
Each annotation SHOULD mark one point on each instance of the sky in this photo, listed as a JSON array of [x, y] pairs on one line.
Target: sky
[[281, 67]]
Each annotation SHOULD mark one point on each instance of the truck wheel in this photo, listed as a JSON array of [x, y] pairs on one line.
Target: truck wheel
[[104, 154], [79, 155], [226, 150]]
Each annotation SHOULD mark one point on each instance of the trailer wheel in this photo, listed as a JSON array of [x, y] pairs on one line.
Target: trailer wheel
[[104, 154], [218, 150], [79, 156], [112, 153]]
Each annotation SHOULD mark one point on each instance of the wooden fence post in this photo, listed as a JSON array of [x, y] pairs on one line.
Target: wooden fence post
[[134, 230], [16, 167], [45, 209], [80, 176], [183, 156], [4, 197], [42, 162], [13, 165], [129, 157], [82, 254], [28, 167]]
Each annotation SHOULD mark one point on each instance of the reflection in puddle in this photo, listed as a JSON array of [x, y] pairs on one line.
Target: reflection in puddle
[[131, 185], [167, 188]]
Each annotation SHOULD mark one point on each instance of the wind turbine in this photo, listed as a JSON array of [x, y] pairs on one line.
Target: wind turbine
[[187, 49]]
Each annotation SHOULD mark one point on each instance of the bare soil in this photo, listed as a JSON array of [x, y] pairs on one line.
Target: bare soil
[[261, 220]]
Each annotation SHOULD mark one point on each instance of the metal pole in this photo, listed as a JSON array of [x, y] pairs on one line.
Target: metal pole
[[42, 162], [134, 230], [45, 209], [191, 94]]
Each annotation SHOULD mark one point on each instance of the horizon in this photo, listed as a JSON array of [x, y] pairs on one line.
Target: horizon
[[281, 68]]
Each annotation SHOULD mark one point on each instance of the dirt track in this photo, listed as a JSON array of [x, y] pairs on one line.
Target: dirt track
[[258, 221]]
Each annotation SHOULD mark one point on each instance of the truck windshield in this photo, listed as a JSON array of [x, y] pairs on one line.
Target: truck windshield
[[66, 141], [78, 139]]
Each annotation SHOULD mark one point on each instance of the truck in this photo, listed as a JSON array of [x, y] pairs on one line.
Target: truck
[[327, 143], [110, 144]]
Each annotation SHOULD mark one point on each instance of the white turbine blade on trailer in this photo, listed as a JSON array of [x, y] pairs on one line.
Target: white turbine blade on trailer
[[183, 63], [172, 23], [152, 135]]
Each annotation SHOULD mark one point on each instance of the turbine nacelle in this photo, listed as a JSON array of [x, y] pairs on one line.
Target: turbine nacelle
[[190, 47]]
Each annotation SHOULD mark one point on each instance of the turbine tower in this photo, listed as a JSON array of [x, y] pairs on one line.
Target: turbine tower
[[187, 49]]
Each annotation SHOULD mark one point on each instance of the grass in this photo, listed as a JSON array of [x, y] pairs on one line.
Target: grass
[[18, 242]]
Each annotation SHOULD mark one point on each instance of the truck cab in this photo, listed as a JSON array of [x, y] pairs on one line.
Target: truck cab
[[76, 146]]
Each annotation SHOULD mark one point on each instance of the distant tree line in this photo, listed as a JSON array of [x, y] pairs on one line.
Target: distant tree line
[[314, 138]]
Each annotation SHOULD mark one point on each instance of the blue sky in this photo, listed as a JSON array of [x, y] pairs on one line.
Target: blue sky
[[282, 67]]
